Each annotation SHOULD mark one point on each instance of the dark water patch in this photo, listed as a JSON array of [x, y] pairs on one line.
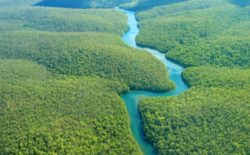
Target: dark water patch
[[65, 3], [242, 3]]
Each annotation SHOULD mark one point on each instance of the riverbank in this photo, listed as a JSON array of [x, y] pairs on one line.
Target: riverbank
[[131, 98]]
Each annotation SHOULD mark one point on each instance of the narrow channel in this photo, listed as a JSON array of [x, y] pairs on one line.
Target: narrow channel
[[131, 98]]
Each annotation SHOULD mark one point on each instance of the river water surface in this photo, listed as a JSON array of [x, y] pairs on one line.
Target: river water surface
[[131, 98]]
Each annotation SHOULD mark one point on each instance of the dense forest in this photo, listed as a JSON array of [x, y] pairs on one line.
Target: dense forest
[[14, 3], [62, 72], [64, 68], [140, 5], [41, 114], [88, 54], [210, 118], [208, 76], [64, 20], [201, 121], [198, 32], [211, 39]]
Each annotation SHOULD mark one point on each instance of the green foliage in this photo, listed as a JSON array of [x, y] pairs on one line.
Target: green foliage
[[65, 20], [89, 54], [195, 32], [139, 5], [70, 103], [13, 71], [212, 117], [179, 8], [60, 116], [208, 76], [6, 26], [225, 50], [8, 3], [201, 121]]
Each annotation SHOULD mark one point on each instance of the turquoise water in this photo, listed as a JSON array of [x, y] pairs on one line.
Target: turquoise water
[[131, 98]]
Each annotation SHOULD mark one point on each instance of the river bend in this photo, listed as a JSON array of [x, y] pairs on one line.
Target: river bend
[[131, 98]]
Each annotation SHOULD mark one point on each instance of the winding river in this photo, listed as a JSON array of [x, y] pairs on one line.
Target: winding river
[[131, 98]]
